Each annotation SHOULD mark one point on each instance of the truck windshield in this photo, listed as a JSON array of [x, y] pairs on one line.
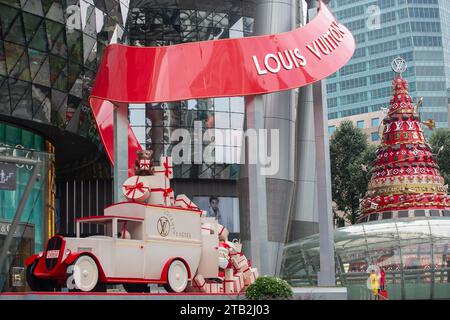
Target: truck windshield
[[96, 228]]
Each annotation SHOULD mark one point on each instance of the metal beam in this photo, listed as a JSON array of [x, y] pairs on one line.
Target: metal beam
[[254, 118], [120, 150], [327, 274]]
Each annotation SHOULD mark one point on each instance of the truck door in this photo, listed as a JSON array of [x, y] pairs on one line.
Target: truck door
[[129, 250]]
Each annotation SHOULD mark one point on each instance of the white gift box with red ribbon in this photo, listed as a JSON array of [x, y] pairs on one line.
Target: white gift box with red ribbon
[[240, 262], [160, 190], [135, 188], [213, 287], [199, 283], [223, 233], [228, 286], [207, 228], [184, 202], [145, 164], [228, 282], [239, 281], [237, 246], [234, 282], [250, 275], [165, 167]]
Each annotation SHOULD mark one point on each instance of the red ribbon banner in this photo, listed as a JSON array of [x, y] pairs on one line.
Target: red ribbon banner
[[217, 68]]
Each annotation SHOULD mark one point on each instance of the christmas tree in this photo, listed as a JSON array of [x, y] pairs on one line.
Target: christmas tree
[[405, 175]]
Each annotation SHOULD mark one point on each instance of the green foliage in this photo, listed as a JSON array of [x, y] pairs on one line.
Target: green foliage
[[439, 138], [269, 288], [349, 152]]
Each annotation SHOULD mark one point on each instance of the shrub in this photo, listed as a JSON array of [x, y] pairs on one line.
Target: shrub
[[269, 288]]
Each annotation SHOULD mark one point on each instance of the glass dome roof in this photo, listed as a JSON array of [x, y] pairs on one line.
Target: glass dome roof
[[413, 252]]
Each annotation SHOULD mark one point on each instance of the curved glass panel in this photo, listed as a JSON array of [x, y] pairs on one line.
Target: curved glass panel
[[413, 252]]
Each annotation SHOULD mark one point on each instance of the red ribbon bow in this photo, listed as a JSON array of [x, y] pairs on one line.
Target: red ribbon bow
[[167, 168], [132, 189]]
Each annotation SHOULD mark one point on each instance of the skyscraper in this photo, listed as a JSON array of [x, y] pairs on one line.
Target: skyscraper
[[416, 30]]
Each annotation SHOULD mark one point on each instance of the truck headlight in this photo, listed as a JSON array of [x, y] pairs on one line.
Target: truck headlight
[[40, 254], [66, 254]]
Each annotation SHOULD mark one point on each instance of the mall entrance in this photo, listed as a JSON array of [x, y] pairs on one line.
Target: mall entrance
[[21, 248]]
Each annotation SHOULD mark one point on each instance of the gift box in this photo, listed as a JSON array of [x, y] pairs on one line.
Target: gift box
[[234, 282], [207, 228], [255, 272], [184, 202], [239, 281], [171, 199], [229, 274], [160, 190], [145, 164], [228, 286], [135, 188], [239, 262], [213, 287], [160, 196], [237, 245], [165, 167], [250, 275], [223, 233], [199, 283]]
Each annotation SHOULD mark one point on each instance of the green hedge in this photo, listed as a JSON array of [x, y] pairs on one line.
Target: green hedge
[[269, 288]]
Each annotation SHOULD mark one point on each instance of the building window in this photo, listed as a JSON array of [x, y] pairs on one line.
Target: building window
[[434, 213], [403, 214], [360, 124], [375, 136], [387, 215], [375, 122], [419, 213], [331, 129]]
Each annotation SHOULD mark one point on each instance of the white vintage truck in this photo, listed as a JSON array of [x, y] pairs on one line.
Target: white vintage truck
[[142, 244]]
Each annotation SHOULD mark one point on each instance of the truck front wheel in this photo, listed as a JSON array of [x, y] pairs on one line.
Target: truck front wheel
[[84, 275], [177, 277]]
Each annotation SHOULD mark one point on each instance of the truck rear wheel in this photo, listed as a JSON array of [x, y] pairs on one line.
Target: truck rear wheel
[[38, 284], [177, 277]]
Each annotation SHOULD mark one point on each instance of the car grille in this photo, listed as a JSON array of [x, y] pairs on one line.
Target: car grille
[[54, 243]]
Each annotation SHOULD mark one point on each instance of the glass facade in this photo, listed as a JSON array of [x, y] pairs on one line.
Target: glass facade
[[385, 29], [221, 119], [38, 217], [49, 54], [413, 251]]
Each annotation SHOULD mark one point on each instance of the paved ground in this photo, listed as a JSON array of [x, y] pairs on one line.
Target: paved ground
[[115, 296]]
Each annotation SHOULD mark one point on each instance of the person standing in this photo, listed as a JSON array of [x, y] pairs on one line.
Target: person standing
[[213, 209], [374, 283], [382, 279]]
